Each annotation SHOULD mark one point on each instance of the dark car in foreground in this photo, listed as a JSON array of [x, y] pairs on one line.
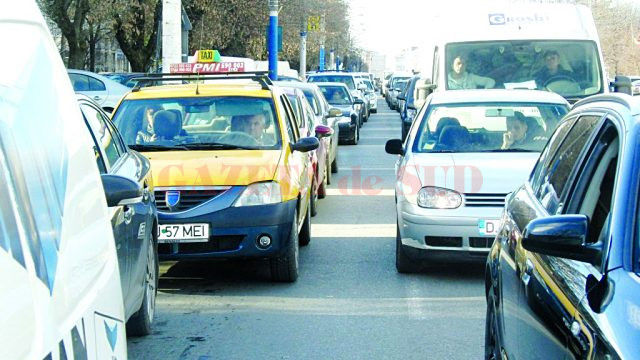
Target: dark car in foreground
[[134, 222], [338, 96], [562, 277]]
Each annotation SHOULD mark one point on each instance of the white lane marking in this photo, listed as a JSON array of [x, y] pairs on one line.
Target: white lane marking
[[470, 307], [360, 192], [353, 230]]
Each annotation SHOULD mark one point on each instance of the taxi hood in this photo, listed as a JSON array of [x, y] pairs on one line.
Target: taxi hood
[[494, 173], [210, 168]]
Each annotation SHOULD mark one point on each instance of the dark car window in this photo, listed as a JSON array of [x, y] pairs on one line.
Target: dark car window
[[336, 95], [541, 168], [345, 79], [289, 123], [79, 82], [562, 164], [96, 85], [102, 134], [312, 101]]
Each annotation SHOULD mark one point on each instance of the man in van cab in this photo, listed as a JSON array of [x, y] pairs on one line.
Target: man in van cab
[[551, 70], [458, 78]]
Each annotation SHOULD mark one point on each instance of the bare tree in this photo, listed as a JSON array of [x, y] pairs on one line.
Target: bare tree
[[136, 29], [70, 16]]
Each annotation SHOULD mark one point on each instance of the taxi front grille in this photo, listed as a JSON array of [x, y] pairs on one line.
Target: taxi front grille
[[188, 198], [484, 200]]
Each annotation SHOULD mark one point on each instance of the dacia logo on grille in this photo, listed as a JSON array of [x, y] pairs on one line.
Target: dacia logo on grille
[[173, 199]]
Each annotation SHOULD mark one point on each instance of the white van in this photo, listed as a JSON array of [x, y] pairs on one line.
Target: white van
[[60, 288], [535, 46]]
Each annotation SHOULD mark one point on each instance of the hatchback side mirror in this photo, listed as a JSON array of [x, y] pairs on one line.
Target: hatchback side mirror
[[563, 236], [394, 147], [120, 190]]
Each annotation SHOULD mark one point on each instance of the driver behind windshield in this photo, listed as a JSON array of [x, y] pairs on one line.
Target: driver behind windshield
[[551, 70], [253, 125]]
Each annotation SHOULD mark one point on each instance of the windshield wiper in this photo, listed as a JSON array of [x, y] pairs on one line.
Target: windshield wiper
[[441, 151], [152, 147], [217, 146], [511, 150]]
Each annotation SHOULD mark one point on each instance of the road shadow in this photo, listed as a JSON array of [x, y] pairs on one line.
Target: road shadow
[[460, 270]]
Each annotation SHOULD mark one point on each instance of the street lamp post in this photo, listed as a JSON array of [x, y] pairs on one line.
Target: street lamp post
[[273, 39]]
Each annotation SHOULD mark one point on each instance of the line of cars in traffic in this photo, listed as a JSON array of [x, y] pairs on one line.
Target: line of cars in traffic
[[546, 185]]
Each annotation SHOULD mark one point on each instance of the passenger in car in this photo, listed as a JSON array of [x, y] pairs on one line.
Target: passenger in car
[[166, 126], [458, 78], [143, 122], [522, 133]]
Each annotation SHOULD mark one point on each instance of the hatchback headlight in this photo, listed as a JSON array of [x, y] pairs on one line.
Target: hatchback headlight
[[433, 197], [262, 193]]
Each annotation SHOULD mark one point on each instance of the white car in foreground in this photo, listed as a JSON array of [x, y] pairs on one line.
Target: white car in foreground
[[60, 288], [465, 151]]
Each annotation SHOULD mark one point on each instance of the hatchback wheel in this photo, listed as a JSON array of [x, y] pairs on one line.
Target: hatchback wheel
[[313, 199], [334, 165], [404, 264], [322, 190], [491, 345], [140, 323]]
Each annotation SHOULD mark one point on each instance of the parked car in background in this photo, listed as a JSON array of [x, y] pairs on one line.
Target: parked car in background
[[339, 97], [134, 222], [355, 87], [393, 89], [60, 286], [243, 189], [371, 97], [401, 97], [409, 106], [562, 275], [124, 78], [465, 152], [325, 115], [307, 127], [104, 91]]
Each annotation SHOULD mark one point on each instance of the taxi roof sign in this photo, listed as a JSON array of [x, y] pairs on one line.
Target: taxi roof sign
[[211, 68], [208, 56]]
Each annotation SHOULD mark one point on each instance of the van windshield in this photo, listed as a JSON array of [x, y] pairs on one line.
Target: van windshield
[[488, 127], [570, 68], [198, 123]]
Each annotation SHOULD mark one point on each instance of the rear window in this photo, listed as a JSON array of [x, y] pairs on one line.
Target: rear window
[[224, 122], [347, 80]]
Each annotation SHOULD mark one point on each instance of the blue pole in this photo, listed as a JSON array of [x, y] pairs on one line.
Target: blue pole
[[273, 39], [321, 60]]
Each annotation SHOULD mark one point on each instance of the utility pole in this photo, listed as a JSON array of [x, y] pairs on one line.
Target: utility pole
[[322, 38], [303, 54], [273, 39]]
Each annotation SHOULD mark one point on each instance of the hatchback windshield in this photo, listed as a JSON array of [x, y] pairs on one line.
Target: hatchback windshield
[[198, 123], [487, 127], [347, 80], [336, 95], [569, 68]]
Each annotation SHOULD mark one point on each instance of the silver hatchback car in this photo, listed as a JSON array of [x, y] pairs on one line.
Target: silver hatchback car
[[464, 153]]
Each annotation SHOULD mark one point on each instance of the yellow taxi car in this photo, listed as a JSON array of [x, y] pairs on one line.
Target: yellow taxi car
[[231, 172]]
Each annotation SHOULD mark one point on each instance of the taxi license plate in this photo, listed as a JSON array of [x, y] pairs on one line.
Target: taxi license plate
[[488, 227], [183, 233]]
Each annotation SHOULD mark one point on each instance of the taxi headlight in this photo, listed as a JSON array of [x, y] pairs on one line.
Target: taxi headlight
[[262, 193], [433, 197]]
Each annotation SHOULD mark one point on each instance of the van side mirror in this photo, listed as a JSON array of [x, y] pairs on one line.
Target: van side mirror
[[622, 84]]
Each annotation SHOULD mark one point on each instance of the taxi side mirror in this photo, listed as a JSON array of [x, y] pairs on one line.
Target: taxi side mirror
[[305, 144]]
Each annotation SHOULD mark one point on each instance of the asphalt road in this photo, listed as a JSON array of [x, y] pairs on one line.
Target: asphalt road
[[348, 303]]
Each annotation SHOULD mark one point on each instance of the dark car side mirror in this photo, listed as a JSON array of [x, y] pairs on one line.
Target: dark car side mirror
[[394, 147], [400, 97], [120, 190], [358, 101], [335, 112], [305, 144], [563, 236], [323, 131], [411, 105]]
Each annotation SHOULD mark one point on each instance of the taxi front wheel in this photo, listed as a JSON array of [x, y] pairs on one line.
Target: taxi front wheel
[[284, 268]]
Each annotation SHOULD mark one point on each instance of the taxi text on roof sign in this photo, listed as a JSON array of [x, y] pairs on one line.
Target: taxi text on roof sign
[[210, 68], [208, 56]]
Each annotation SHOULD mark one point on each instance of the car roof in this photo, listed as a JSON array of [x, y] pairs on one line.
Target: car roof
[[320, 84], [496, 95], [630, 103], [296, 84]]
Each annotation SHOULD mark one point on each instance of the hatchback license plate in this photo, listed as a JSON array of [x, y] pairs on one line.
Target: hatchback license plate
[[488, 227], [183, 233]]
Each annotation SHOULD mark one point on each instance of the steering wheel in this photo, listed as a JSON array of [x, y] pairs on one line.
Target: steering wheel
[[239, 138], [562, 84]]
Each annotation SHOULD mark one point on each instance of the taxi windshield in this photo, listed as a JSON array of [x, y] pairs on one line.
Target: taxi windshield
[[336, 95], [488, 127], [202, 123], [570, 68]]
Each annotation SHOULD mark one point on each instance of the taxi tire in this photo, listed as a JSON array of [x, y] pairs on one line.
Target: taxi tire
[[284, 268], [140, 322], [304, 238], [313, 199], [404, 264]]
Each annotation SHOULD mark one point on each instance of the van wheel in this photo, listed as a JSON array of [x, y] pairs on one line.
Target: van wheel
[[284, 268], [140, 323], [305, 233]]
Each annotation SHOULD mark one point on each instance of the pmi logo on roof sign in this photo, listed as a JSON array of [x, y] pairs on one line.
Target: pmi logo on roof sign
[[503, 19]]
